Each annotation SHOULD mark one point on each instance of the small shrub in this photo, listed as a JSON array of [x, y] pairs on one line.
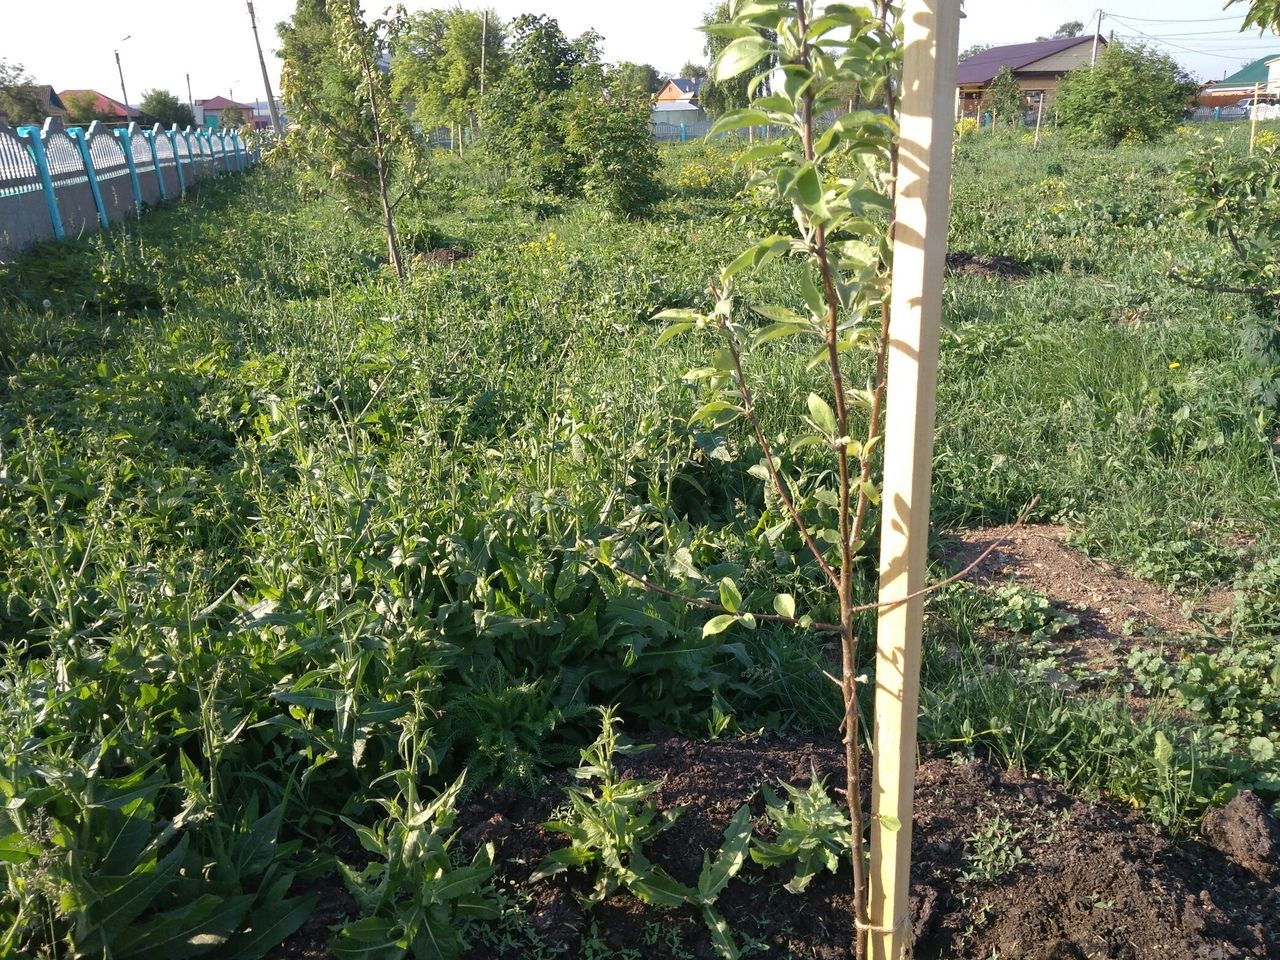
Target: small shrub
[[1131, 95]]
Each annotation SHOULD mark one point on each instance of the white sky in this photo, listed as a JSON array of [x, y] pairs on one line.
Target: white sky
[[69, 43]]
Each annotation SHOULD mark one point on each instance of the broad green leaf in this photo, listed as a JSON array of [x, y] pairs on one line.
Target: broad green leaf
[[1262, 750], [736, 120], [269, 925], [678, 314], [890, 822], [821, 414], [733, 854], [714, 409], [741, 55], [785, 605], [718, 624], [673, 331], [730, 596], [15, 848], [721, 935], [1163, 750]]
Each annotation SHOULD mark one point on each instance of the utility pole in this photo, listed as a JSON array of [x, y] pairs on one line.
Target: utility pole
[[1097, 35], [120, 70], [191, 102], [266, 80]]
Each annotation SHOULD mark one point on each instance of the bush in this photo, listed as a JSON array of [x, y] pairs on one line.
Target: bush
[[608, 141], [1132, 95]]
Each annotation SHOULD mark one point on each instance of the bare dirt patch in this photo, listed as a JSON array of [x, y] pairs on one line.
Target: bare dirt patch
[[1112, 606], [443, 256], [991, 266]]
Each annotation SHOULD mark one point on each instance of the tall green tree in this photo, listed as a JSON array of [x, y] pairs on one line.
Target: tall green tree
[[974, 50], [523, 115], [1132, 94], [18, 98], [439, 61], [164, 108], [82, 108], [1004, 97], [1072, 28], [636, 79], [694, 71], [352, 136]]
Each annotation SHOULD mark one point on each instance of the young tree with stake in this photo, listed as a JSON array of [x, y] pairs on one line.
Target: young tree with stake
[[350, 130]]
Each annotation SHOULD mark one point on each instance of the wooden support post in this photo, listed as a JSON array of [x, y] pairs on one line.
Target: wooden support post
[[931, 36], [1253, 114], [1039, 119]]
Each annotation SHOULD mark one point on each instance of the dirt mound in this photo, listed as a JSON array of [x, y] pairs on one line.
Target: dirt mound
[[991, 266], [443, 256], [1246, 833]]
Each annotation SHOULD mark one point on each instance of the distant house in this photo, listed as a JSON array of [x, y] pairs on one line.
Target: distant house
[[50, 103], [1038, 67], [209, 112], [102, 105], [1265, 71], [677, 102]]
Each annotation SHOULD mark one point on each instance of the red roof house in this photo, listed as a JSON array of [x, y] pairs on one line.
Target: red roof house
[[209, 111], [102, 104]]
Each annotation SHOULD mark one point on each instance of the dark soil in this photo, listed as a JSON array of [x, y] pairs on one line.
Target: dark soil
[[1090, 881], [443, 256], [991, 266]]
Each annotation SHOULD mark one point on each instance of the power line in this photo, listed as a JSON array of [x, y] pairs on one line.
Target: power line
[[1172, 20]]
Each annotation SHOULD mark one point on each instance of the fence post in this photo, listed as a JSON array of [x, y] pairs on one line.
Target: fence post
[[235, 144], [125, 136], [1217, 113], [172, 136], [155, 159], [682, 133], [81, 140], [35, 145]]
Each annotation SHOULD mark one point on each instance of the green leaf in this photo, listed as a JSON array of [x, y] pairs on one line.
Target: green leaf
[[715, 408], [1163, 750], [721, 935], [758, 255], [821, 414], [372, 938], [269, 925], [1262, 750], [807, 187], [16, 848], [890, 822], [736, 120], [741, 55], [678, 314], [730, 596], [673, 331], [785, 605], [733, 854], [188, 931], [718, 624], [654, 885]]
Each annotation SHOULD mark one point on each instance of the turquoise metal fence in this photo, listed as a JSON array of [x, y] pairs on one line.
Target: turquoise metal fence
[[57, 182]]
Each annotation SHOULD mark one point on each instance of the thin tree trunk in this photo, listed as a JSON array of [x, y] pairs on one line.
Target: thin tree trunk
[[380, 163]]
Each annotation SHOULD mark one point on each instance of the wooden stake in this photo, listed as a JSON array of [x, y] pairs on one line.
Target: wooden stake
[[931, 37], [1039, 118], [1253, 113]]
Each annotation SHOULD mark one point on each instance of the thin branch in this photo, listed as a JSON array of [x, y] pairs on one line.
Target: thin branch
[[934, 587], [721, 608], [1215, 288], [750, 411]]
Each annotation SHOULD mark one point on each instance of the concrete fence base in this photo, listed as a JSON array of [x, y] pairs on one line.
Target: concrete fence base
[[58, 182]]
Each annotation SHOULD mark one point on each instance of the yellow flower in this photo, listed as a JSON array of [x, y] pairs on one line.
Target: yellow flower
[[1175, 365]]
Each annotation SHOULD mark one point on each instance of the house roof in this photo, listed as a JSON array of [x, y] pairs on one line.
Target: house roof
[[102, 103], [48, 98], [982, 67], [1248, 75], [687, 84], [675, 106], [217, 104]]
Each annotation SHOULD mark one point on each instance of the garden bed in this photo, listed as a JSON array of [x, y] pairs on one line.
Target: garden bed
[[1004, 865]]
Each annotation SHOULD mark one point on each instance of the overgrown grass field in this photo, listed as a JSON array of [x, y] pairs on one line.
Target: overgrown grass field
[[284, 541]]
